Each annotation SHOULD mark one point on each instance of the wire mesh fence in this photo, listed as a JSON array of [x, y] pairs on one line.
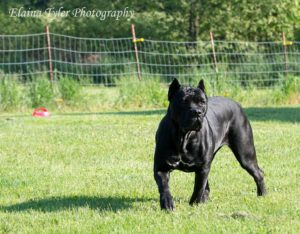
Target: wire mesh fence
[[23, 56], [105, 61], [256, 63]]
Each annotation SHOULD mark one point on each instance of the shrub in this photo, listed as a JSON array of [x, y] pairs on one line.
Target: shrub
[[10, 94], [70, 90], [146, 93], [290, 87], [41, 92]]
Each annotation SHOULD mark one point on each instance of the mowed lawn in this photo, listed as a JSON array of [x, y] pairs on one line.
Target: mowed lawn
[[92, 173]]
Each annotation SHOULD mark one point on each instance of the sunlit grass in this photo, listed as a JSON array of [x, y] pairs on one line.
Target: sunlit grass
[[92, 173]]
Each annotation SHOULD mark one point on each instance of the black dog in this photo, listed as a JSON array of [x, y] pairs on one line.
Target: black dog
[[191, 133]]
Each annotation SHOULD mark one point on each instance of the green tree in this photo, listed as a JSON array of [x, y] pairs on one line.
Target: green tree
[[182, 20], [15, 25]]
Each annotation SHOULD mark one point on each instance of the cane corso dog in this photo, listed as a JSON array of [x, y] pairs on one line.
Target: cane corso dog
[[191, 133]]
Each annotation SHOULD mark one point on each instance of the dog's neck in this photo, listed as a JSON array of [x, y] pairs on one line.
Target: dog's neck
[[184, 139]]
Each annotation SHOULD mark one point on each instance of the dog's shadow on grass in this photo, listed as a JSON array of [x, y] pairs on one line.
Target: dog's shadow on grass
[[54, 204]]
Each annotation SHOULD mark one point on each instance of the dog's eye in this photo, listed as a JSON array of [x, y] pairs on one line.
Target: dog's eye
[[199, 100], [184, 101]]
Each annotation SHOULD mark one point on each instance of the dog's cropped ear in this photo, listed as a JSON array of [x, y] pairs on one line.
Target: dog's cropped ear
[[174, 87], [201, 85]]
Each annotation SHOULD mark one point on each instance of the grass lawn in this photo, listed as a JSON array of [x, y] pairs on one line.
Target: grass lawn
[[92, 173]]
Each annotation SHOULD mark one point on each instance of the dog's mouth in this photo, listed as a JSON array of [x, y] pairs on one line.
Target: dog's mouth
[[198, 124], [195, 126]]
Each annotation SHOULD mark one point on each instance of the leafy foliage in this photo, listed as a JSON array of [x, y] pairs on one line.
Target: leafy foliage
[[41, 92], [70, 89], [10, 94], [182, 20], [146, 93]]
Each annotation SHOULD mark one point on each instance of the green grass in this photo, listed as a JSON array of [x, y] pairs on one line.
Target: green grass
[[67, 94], [92, 173]]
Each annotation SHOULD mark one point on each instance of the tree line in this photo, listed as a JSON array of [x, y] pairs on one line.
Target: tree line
[[180, 20]]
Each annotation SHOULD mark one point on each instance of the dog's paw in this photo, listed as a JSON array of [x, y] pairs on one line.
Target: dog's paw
[[166, 202], [205, 197], [200, 199]]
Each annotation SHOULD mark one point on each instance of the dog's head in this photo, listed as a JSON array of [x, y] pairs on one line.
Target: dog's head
[[188, 105]]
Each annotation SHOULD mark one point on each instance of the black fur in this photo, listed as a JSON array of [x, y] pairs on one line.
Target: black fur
[[191, 133]]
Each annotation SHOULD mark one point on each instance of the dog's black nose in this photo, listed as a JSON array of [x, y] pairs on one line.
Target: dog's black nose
[[197, 112]]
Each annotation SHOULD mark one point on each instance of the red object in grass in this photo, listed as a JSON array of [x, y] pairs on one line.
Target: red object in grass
[[41, 112]]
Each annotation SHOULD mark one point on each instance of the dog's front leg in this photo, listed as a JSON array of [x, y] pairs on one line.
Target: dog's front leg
[[200, 195], [162, 180]]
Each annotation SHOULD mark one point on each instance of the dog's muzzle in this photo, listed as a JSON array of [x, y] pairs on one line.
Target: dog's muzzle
[[194, 124], [197, 124]]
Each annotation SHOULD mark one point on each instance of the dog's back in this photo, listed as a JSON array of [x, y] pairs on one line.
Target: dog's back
[[226, 118], [218, 107]]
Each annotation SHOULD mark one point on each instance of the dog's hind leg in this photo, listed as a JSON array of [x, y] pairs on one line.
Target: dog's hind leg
[[242, 145]]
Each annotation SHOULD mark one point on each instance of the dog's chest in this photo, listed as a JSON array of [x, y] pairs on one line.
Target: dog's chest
[[188, 156], [190, 149]]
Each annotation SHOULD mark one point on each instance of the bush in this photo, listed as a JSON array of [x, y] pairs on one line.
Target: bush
[[41, 92], [291, 85], [69, 94], [10, 94], [70, 90], [288, 90], [146, 93]]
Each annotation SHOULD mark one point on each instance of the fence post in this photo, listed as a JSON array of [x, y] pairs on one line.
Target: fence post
[[49, 53], [213, 50], [284, 43], [134, 40]]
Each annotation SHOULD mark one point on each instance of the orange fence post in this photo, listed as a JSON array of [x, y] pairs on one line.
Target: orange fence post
[[284, 43], [213, 50], [49, 53], [134, 40]]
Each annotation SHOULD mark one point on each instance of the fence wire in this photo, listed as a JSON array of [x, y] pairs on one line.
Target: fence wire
[[104, 61]]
